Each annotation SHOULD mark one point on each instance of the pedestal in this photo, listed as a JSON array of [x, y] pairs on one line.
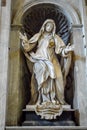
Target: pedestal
[[65, 119]]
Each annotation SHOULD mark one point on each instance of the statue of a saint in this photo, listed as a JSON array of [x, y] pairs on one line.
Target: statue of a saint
[[47, 82]]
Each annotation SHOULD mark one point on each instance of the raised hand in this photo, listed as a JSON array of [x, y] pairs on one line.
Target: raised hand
[[24, 42], [69, 48], [23, 37]]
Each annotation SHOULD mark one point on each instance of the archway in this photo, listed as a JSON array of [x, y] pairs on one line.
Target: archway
[[57, 11], [32, 21], [34, 17]]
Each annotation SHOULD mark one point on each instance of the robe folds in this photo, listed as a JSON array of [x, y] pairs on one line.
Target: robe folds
[[47, 78]]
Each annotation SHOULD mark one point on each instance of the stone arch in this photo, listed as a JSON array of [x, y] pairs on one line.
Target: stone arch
[[67, 9], [72, 17]]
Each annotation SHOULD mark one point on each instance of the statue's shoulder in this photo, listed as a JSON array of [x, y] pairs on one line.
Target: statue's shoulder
[[59, 40], [57, 37], [37, 34], [34, 38]]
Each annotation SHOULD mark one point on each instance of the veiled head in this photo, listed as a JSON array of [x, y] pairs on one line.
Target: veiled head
[[48, 26]]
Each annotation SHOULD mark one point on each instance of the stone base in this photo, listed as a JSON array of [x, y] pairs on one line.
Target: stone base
[[48, 111], [32, 107], [48, 123], [65, 119], [46, 128]]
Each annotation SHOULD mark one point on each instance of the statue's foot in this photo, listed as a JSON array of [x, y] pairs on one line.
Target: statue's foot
[[55, 102]]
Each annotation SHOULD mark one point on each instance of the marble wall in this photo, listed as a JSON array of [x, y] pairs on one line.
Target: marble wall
[[18, 80], [4, 43]]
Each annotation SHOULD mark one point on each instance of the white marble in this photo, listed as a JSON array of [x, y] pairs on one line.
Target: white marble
[[81, 89], [3, 58], [5, 33], [4, 41], [80, 76]]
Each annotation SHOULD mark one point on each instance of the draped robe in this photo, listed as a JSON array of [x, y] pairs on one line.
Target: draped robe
[[47, 79]]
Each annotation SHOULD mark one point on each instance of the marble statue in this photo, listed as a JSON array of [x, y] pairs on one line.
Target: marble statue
[[47, 81]]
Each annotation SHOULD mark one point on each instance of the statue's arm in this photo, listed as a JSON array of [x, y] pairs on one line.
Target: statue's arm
[[59, 44], [67, 49], [61, 48], [28, 45]]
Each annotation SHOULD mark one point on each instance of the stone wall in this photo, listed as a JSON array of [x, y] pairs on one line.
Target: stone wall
[[16, 99], [9, 79], [4, 43]]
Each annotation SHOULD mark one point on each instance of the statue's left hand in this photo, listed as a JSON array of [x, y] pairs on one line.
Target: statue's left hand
[[69, 48]]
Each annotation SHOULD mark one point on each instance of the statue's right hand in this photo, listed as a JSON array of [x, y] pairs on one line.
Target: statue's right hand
[[25, 46], [23, 37]]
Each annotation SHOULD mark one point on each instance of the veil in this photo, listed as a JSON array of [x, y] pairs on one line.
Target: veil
[[44, 24], [33, 43]]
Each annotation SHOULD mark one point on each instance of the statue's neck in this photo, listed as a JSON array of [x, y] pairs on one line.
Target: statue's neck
[[46, 34]]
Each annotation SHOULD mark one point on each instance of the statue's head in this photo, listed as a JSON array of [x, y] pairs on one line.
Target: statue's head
[[48, 26]]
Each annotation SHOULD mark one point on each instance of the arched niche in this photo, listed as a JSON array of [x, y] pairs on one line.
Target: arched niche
[[67, 9], [72, 19], [32, 21]]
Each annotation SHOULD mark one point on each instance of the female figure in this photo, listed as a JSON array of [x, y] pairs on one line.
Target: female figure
[[47, 85]]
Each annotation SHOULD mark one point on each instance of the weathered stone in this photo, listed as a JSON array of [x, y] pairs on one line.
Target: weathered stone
[[4, 41], [80, 74], [47, 128]]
